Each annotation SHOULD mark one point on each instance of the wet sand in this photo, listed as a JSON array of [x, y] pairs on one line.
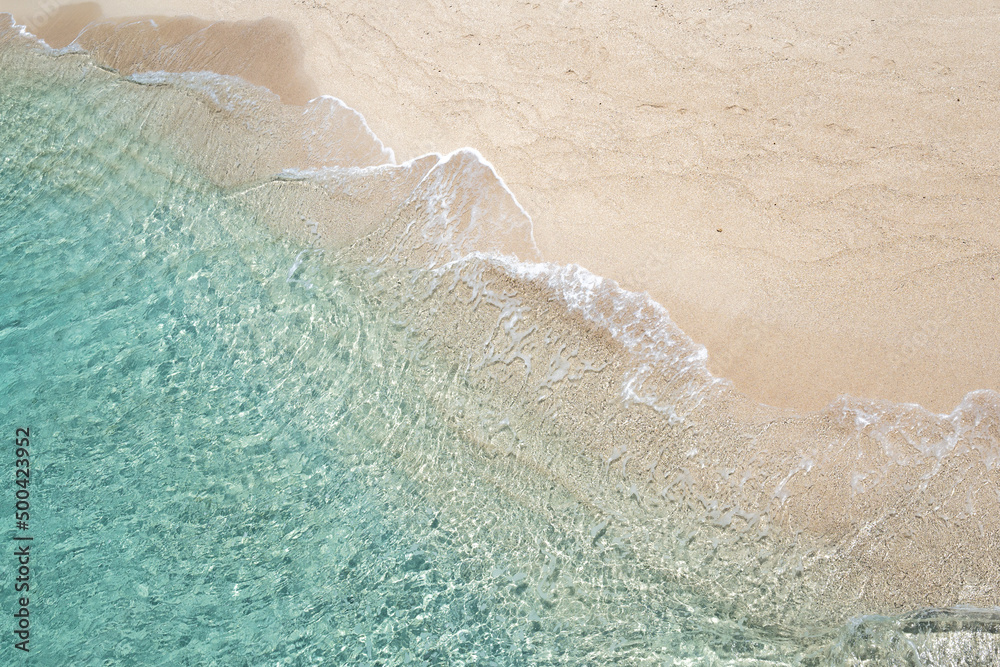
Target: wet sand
[[828, 276], [810, 191]]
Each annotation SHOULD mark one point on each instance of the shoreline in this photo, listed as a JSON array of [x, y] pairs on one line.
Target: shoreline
[[818, 284], [718, 442]]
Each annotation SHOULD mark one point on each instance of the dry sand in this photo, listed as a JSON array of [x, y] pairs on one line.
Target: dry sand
[[810, 189], [854, 254]]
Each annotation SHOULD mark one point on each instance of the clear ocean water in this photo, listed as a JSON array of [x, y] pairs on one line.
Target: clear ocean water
[[245, 452]]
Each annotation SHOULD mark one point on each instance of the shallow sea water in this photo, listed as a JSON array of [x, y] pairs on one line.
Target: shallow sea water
[[242, 456]]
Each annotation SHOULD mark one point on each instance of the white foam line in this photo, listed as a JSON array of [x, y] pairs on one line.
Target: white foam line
[[468, 150], [361, 117], [887, 419], [22, 29], [590, 282], [531, 270], [658, 342], [71, 48]]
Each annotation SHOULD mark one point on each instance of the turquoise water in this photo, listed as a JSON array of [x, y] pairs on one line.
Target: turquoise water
[[228, 464], [242, 456]]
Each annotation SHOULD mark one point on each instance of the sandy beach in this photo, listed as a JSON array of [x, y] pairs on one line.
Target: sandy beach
[[810, 191]]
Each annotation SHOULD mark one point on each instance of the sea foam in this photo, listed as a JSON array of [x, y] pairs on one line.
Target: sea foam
[[584, 386]]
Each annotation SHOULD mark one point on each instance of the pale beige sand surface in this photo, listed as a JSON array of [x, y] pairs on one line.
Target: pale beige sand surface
[[847, 153], [890, 518], [263, 51]]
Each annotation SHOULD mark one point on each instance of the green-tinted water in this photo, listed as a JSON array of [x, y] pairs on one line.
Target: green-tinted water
[[239, 459], [232, 468]]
